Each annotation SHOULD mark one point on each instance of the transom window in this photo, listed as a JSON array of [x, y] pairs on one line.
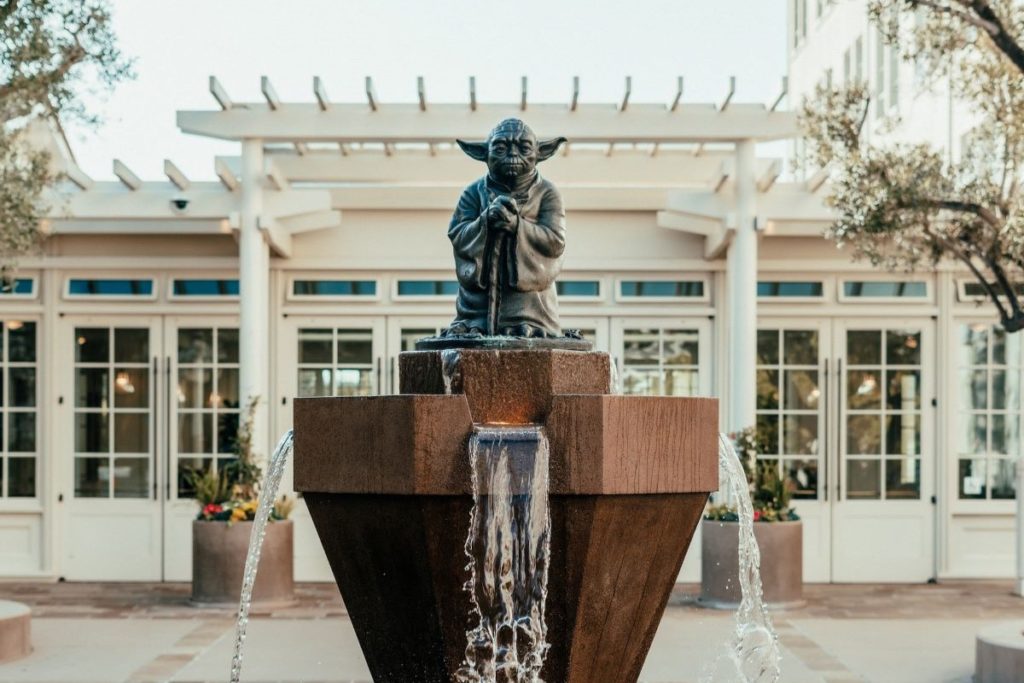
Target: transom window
[[20, 288], [661, 362], [590, 289], [788, 406], [661, 289], [416, 288], [878, 289], [335, 288], [204, 288], [790, 289], [988, 412], [207, 401], [336, 362], [113, 399], [85, 287], [18, 454]]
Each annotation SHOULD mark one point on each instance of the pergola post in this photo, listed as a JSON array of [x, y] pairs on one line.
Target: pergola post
[[254, 293], [741, 275], [1019, 584]]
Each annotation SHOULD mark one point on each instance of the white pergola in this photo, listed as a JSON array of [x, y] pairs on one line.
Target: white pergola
[[302, 164]]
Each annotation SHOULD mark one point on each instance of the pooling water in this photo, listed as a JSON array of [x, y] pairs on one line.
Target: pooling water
[[509, 550], [268, 493], [753, 654]]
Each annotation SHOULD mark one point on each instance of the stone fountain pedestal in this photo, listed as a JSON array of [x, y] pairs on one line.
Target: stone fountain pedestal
[[387, 482]]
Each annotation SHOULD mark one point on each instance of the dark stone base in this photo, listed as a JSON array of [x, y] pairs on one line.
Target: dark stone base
[[496, 343]]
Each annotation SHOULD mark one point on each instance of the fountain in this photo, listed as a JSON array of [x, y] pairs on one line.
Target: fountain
[[506, 517]]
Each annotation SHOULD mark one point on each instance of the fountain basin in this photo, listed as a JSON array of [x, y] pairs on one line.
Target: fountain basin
[[387, 482]]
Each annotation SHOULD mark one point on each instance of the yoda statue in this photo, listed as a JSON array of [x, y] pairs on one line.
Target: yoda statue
[[508, 234]]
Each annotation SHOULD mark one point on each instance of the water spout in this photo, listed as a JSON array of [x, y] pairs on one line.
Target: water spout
[[449, 366], [268, 494]]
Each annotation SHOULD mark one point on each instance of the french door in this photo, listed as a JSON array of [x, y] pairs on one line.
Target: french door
[[846, 409], [149, 399]]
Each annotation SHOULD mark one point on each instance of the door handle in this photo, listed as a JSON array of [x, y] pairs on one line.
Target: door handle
[[394, 376], [168, 414], [825, 441], [153, 411], [377, 387], [840, 417]]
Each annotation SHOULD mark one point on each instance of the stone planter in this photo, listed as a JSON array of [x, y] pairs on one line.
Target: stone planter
[[782, 561], [218, 563]]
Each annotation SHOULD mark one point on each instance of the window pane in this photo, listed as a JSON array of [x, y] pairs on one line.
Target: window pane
[[22, 341], [195, 345], [92, 345], [411, 336], [885, 289], [355, 347], [903, 478], [903, 347], [767, 389], [227, 345], [131, 432], [801, 435], [999, 347], [768, 428], [904, 390], [973, 431], [789, 289], [802, 478], [973, 389], [1005, 435], [314, 382], [972, 478], [315, 346], [22, 477], [1004, 478], [1006, 389], [864, 434], [92, 388], [227, 388], [800, 346], [863, 479], [187, 466], [205, 287], [82, 287], [195, 386], [973, 349], [767, 347], [131, 478], [92, 477], [641, 381], [429, 288], [640, 347], [21, 432], [802, 391], [227, 432], [681, 347], [903, 434], [681, 383], [131, 345], [131, 387], [352, 382], [195, 433], [22, 387], [334, 287], [578, 288], [863, 389], [92, 433], [864, 347]]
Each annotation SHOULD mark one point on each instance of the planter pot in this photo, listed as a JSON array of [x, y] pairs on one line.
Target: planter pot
[[782, 560], [218, 563]]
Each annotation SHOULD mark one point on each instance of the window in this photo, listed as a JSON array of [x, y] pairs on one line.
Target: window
[[81, 287], [21, 288], [972, 290], [988, 412], [18, 450], [208, 401], [661, 362], [590, 289], [335, 362], [788, 405], [334, 288], [204, 288], [793, 290], [661, 289], [421, 288], [879, 289]]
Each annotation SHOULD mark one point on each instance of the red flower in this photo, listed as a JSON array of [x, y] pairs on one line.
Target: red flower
[[212, 509], [757, 515]]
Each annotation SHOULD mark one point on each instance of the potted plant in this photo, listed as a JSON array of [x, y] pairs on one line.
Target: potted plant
[[228, 499], [777, 529]]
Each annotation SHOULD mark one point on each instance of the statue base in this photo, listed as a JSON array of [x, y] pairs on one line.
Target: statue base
[[503, 343]]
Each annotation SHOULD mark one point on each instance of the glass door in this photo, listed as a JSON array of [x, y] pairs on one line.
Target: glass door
[[883, 517], [662, 356], [402, 333], [111, 383]]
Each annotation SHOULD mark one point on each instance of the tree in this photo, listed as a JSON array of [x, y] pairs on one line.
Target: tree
[[904, 205], [50, 52]]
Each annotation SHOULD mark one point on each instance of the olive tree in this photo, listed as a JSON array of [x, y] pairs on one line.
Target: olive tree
[[904, 205], [51, 52]]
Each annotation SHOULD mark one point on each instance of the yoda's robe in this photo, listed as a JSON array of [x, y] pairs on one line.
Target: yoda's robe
[[517, 271]]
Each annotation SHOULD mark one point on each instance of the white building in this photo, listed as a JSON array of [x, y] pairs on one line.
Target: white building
[[127, 350]]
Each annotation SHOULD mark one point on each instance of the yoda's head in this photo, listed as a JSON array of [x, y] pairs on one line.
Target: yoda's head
[[511, 151]]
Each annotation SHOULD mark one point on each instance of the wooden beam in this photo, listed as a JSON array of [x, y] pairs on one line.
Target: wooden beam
[[679, 94], [728, 96], [782, 94], [276, 177], [371, 94], [472, 93], [574, 102], [126, 176], [308, 222], [626, 94], [175, 175], [421, 92], [725, 170], [77, 176], [220, 94], [225, 174], [815, 182], [276, 236], [267, 88], [320, 92], [716, 246], [769, 176], [301, 148]]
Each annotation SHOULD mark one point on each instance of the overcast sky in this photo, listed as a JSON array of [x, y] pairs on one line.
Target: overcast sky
[[178, 45]]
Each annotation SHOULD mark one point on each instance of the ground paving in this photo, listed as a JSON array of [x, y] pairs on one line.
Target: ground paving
[[132, 632]]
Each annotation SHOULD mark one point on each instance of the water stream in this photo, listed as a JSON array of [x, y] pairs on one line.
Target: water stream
[[449, 366], [268, 494], [509, 549], [753, 654]]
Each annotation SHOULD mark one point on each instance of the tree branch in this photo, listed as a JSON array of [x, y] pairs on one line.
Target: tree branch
[[1006, 43]]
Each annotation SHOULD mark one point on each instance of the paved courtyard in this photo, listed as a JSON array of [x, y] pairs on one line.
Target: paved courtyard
[[112, 633]]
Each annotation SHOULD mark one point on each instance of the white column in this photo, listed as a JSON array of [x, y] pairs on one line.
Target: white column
[[254, 297], [1019, 586], [741, 286]]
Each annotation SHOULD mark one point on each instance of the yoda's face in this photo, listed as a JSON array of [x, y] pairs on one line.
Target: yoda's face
[[511, 152]]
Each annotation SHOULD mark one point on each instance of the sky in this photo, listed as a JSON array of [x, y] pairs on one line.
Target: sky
[[178, 45]]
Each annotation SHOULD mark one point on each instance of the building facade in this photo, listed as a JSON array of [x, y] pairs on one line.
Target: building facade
[[157, 308]]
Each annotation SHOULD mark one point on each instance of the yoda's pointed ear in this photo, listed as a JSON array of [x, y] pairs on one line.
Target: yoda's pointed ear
[[477, 150], [547, 148]]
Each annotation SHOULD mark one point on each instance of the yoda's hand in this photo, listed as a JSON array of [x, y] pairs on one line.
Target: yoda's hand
[[503, 214]]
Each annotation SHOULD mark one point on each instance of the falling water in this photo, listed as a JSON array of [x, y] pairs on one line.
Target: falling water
[[449, 366], [268, 493], [614, 383], [509, 548], [754, 653]]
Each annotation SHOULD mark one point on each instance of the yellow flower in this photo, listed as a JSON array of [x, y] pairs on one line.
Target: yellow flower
[[238, 515]]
